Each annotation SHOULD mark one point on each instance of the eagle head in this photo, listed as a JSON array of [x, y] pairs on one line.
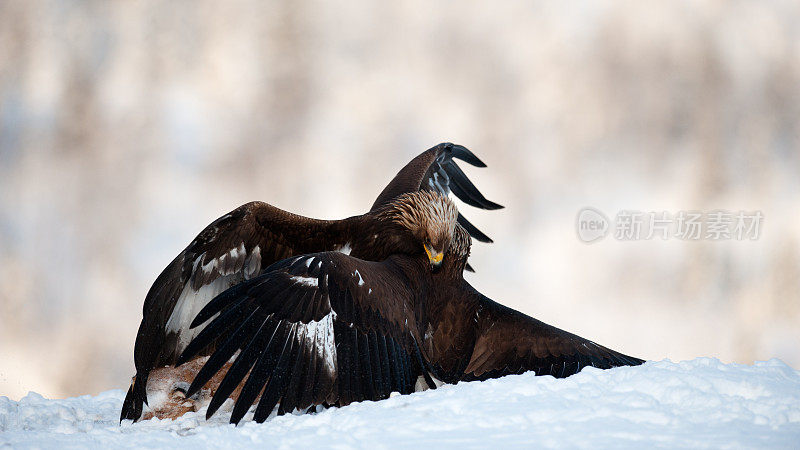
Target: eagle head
[[431, 218]]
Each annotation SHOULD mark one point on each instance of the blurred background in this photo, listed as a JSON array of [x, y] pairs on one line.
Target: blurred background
[[127, 127]]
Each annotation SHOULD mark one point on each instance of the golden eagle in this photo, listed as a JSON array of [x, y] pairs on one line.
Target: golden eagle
[[239, 244], [331, 329]]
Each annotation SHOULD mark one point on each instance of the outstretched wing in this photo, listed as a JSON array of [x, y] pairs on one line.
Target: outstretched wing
[[436, 170], [509, 342], [316, 329], [231, 249]]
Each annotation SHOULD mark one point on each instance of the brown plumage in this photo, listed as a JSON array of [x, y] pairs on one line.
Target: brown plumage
[[238, 245], [331, 329]]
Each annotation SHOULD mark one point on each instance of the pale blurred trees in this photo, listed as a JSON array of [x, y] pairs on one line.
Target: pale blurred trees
[[125, 127]]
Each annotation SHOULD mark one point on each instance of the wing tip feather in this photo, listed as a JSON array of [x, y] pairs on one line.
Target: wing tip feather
[[464, 154]]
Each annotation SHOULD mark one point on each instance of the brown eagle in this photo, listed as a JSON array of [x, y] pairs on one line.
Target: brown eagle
[[239, 244], [331, 329]]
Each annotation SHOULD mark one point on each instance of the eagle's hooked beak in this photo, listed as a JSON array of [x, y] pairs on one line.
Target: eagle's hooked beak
[[435, 257]]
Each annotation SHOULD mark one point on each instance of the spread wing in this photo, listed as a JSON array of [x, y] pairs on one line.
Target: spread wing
[[231, 249], [316, 329], [509, 342], [436, 170]]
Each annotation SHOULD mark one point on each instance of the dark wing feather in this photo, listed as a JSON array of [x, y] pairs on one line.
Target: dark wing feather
[[509, 342], [340, 330], [233, 248], [436, 170]]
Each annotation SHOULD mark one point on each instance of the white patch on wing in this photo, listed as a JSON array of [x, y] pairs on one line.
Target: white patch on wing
[[360, 280], [345, 249], [189, 304], [207, 267], [319, 336], [232, 267], [235, 251], [252, 265], [308, 281], [222, 264]]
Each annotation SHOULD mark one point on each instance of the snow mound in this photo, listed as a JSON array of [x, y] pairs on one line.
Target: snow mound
[[698, 403]]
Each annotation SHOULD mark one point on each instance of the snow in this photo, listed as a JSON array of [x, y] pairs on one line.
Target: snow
[[698, 404]]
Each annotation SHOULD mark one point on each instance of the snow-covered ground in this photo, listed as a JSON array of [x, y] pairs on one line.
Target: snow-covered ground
[[698, 403]]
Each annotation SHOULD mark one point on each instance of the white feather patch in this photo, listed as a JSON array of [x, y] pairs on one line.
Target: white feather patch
[[360, 280], [188, 305], [308, 281], [319, 336], [233, 254], [252, 265]]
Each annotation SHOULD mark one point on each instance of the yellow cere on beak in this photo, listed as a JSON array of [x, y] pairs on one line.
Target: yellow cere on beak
[[435, 258]]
